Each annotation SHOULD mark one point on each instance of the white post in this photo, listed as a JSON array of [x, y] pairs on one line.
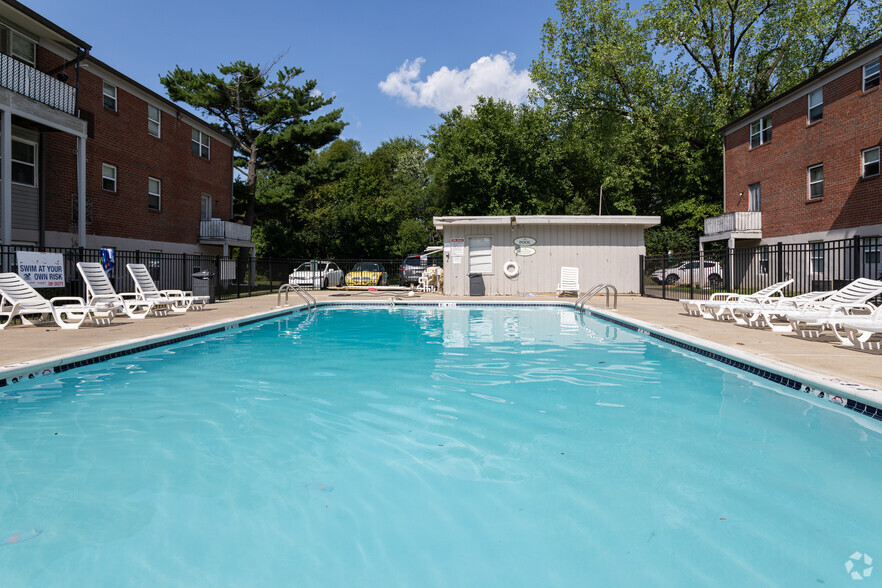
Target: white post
[[6, 183], [701, 261], [81, 191]]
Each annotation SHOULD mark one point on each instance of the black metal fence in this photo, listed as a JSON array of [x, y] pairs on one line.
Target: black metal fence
[[229, 277], [814, 266]]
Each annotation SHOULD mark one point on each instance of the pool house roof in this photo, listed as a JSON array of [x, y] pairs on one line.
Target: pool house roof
[[591, 220]]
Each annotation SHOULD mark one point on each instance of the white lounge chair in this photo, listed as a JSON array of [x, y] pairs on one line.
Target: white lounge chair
[[19, 299], [771, 311], [863, 332], [814, 318], [176, 300], [569, 280], [100, 290], [720, 304]]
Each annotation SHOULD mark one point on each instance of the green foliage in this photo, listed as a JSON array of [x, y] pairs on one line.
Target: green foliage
[[649, 126], [642, 128], [624, 120], [346, 204], [660, 240], [746, 52], [500, 159], [268, 119]]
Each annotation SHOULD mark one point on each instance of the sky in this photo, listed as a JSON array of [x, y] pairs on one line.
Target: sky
[[393, 66]]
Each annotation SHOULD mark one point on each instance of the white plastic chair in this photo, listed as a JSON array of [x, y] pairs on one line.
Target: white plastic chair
[[815, 317], [721, 303], [19, 299], [863, 332], [769, 312], [176, 300], [569, 281], [99, 289]]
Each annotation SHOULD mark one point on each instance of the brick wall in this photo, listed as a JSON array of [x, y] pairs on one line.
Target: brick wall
[[120, 138], [851, 123]]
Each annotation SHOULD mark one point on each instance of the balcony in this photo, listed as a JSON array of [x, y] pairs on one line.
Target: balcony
[[23, 79], [218, 231], [744, 224]]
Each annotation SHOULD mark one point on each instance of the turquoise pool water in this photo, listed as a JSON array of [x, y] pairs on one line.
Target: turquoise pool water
[[430, 447]]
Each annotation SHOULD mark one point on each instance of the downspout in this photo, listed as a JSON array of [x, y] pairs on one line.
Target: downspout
[[723, 135], [41, 205], [77, 84]]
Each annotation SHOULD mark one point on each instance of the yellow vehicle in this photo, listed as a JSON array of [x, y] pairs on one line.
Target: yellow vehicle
[[367, 274]]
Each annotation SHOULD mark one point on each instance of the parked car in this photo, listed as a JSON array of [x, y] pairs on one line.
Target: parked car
[[367, 274], [413, 267], [316, 274], [711, 274]]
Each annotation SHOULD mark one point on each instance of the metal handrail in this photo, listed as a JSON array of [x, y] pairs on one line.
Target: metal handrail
[[304, 295], [580, 303]]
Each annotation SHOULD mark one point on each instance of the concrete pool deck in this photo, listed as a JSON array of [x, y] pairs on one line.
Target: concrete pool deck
[[29, 344]]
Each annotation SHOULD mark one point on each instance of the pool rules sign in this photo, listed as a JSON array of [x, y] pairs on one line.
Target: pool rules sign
[[41, 270]]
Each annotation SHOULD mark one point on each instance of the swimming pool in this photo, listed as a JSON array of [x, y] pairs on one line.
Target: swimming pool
[[430, 446]]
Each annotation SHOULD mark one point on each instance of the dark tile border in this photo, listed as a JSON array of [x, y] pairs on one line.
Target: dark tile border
[[69, 365], [860, 407]]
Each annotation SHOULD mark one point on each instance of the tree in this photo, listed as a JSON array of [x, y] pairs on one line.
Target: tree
[[499, 159], [296, 208], [382, 207], [748, 51], [267, 119], [641, 127], [347, 204], [646, 90]]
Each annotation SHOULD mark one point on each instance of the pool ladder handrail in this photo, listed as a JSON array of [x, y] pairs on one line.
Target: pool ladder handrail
[[304, 295], [584, 298]]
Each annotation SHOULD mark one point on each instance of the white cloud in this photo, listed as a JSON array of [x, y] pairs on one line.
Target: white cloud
[[491, 76]]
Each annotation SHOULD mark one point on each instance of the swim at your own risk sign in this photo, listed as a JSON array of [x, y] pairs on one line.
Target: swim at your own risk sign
[[41, 270]]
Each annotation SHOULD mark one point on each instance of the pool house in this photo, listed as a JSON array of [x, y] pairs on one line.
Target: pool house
[[512, 255]]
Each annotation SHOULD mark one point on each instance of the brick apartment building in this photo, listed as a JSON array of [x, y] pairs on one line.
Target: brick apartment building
[[805, 167], [96, 159]]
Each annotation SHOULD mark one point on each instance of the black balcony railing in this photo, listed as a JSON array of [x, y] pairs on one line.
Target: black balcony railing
[[28, 81]]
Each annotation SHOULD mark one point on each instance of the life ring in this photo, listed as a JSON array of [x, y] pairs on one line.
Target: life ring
[[510, 269]]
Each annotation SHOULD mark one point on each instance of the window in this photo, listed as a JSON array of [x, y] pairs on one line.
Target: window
[[754, 204], [109, 96], [480, 258], [154, 194], [871, 75], [816, 182], [154, 120], [816, 257], [201, 144], [764, 260], [108, 177], [871, 250], [154, 257], [23, 49], [761, 131], [24, 163], [871, 161], [815, 106]]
